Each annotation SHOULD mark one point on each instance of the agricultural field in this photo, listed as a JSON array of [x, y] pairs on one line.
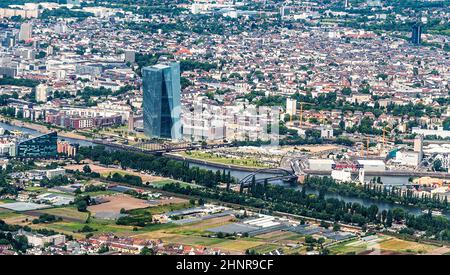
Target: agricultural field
[[120, 201], [67, 213], [382, 245], [197, 234]]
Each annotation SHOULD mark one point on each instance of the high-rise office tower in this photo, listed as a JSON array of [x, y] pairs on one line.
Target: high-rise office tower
[[161, 103], [130, 56], [41, 93], [346, 4], [291, 106], [418, 146], [416, 38], [25, 31]]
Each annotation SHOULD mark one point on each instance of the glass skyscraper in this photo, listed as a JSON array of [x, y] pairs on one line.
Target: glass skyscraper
[[161, 102], [416, 34], [43, 146]]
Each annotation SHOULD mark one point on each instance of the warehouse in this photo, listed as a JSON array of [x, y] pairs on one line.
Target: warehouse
[[372, 165], [320, 164]]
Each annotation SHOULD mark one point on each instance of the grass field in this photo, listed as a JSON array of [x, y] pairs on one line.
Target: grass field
[[248, 162], [100, 226], [384, 244], [160, 209], [35, 189], [70, 213], [402, 246], [5, 213], [161, 183]]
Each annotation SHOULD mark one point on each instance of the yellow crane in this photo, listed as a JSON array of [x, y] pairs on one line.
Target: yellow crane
[[384, 137], [368, 144], [301, 114]]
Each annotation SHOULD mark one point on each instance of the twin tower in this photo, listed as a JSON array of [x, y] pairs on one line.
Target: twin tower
[[161, 103]]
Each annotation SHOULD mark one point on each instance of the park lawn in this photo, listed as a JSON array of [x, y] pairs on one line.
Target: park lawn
[[161, 183], [248, 162], [69, 212]]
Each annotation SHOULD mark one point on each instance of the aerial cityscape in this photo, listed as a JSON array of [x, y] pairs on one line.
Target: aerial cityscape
[[224, 127]]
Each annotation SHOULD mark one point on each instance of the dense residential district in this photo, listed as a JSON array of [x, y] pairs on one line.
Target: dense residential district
[[218, 127]]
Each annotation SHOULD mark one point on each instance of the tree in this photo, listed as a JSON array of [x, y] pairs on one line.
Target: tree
[[336, 227], [346, 91], [87, 169], [389, 218], [147, 251], [398, 214], [103, 249], [82, 206], [446, 123]]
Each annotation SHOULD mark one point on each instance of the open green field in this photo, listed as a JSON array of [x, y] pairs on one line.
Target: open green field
[[384, 244], [197, 234], [5, 213], [100, 226], [161, 183], [68, 213], [35, 189], [211, 157], [160, 209]]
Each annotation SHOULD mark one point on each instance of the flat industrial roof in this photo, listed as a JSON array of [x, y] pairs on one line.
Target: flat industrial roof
[[23, 206]]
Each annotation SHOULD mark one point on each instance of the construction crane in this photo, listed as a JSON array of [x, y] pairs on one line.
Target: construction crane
[[301, 114], [368, 144], [384, 138]]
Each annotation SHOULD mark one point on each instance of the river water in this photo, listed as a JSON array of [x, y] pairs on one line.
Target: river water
[[366, 202], [241, 174]]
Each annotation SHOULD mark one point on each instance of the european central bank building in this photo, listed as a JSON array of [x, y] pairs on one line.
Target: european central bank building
[[161, 101]]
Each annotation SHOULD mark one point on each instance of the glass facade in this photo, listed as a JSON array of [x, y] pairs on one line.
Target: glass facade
[[416, 34], [44, 146], [161, 102]]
